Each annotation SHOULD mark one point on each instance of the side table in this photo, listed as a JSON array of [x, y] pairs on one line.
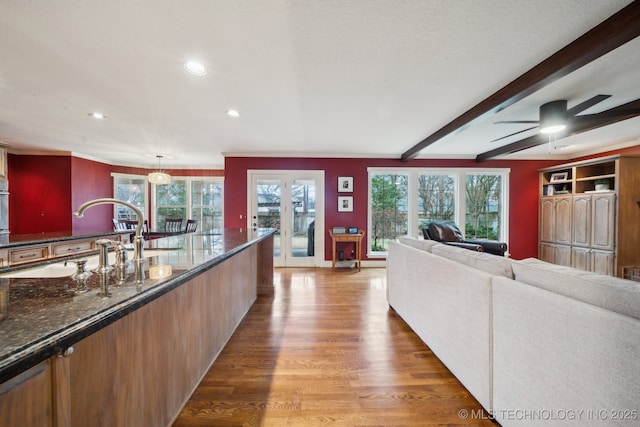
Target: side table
[[345, 238]]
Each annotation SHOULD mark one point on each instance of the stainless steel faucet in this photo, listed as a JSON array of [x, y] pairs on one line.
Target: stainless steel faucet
[[138, 240]]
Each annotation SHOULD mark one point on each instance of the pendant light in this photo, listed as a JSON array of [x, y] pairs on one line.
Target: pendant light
[[159, 177]]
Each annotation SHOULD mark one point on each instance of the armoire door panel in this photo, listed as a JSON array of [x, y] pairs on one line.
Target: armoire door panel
[[581, 222], [603, 221]]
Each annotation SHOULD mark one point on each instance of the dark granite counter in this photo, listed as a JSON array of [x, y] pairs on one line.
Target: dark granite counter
[[16, 240], [44, 316]]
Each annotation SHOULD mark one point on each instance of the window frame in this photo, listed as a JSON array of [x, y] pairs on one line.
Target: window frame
[[460, 197], [150, 194], [116, 176], [188, 190]]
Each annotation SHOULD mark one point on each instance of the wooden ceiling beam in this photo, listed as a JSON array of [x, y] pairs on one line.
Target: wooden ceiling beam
[[612, 33]]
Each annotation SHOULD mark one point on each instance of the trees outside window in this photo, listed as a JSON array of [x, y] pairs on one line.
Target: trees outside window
[[484, 206], [436, 199], [388, 209], [405, 201]]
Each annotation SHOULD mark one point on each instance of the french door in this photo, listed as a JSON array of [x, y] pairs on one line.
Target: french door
[[292, 202]]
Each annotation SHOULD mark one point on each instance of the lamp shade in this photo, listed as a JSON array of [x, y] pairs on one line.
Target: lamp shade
[[553, 116], [159, 178]]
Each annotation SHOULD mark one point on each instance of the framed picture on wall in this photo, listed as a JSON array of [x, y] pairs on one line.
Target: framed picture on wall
[[345, 204], [345, 184]]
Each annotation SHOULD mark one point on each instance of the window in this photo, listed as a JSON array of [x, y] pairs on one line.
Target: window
[[170, 202], [131, 189], [436, 198], [403, 201], [388, 209], [483, 203], [206, 203], [196, 198], [199, 198]]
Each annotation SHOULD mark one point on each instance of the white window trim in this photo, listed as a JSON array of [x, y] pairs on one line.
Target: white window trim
[[460, 208]]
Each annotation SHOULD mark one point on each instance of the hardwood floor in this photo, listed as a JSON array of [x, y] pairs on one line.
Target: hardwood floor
[[327, 350]]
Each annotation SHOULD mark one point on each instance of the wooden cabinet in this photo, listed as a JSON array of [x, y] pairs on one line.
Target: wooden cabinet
[[601, 227], [72, 248], [555, 229], [30, 254], [26, 399]]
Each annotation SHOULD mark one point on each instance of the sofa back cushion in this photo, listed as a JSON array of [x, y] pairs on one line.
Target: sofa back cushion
[[611, 293], [444, 231], [423, 245], [496, 265]]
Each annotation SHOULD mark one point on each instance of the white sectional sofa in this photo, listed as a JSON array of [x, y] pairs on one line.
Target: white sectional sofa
[[535, 343]]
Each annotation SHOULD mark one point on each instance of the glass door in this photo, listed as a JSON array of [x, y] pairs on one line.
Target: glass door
[[292, 203]]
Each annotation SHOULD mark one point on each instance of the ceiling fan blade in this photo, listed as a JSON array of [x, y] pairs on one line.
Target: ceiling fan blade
[[579, 124], [586, 104], [515, 133], [515, 121], [593, 121]]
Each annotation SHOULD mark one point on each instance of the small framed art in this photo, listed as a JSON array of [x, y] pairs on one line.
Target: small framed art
[[345, 204], [345, 184], [560, 176]]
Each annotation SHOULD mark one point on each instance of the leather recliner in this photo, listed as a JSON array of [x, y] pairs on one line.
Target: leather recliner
[[448, 232]]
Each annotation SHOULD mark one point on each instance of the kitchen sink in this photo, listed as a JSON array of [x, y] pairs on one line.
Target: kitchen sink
[[63, 269]]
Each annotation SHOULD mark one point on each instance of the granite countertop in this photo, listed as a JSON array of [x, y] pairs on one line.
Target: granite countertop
[[44, 316], [16, 240]]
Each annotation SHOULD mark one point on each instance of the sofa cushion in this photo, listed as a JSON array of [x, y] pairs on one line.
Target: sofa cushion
[[488, 263], [444, 231], [423, 245], [611, 293]]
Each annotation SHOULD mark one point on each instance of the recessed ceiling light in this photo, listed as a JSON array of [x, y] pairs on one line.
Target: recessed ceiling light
[[98, 116], [233, 113], [196, 68]]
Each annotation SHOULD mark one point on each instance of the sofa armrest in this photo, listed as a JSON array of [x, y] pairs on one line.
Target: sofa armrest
[[495, 248], [466, 245]]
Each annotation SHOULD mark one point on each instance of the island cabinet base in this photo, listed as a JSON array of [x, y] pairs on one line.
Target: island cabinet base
[[26, 400], [141, 369]]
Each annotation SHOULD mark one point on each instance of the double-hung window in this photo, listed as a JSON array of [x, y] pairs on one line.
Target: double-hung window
[[199, 198], [131, 189], [402, 201]]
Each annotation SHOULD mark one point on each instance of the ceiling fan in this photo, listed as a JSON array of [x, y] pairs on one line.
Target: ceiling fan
[[555, 118]]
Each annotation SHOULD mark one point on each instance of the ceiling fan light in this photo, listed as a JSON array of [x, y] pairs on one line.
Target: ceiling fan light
[[553, 116], [553, 128]]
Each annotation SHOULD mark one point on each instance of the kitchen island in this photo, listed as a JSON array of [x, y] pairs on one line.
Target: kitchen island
[[127, 347]]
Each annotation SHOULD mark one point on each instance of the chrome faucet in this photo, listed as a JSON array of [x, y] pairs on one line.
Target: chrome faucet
[[138, 240]]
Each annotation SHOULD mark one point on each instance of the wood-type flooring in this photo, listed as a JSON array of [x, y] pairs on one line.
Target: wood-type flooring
[[327, 350]]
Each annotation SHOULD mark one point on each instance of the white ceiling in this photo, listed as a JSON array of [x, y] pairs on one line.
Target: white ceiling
[[336, 78]]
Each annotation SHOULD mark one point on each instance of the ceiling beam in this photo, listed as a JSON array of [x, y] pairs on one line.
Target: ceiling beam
[[612, 33], [580, 124]]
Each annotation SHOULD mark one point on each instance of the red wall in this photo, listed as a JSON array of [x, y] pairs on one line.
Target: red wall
[[91, 180], [39, 194], [46, 190], [523, 194]]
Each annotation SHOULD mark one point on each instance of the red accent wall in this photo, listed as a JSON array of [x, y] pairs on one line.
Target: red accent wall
[[46, 190], [39, 194], [523, 191], [91, 180]]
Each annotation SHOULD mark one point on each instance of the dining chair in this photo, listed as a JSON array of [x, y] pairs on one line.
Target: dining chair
[[173, 224], [119, 225], [192, 224]]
